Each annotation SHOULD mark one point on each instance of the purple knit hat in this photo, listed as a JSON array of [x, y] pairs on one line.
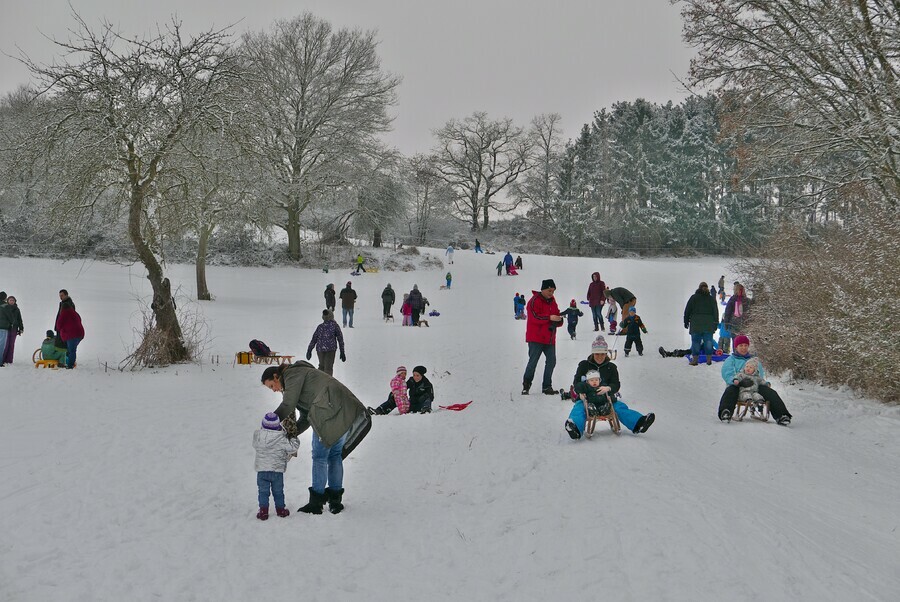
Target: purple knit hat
[[271, 422]]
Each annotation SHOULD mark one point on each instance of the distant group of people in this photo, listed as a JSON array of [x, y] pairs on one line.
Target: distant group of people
[[60, 344]]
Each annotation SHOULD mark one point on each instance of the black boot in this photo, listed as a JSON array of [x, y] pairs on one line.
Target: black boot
[[316, 501], [334, 499]]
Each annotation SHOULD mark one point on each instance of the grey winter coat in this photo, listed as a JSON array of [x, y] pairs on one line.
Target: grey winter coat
[[273, 450], [750, 386], [325, 404], [701, 314], [387, 295]]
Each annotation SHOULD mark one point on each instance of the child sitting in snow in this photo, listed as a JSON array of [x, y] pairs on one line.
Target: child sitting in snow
[[571, 313], [273, 450], [397, 398], [748, 379], [611, 313]]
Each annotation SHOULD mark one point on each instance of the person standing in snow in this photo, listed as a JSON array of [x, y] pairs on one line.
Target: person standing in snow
[[500, 268], [701, 317], [416, 304], [508, 262], [519, 306], [632, 326], [338, 419], [478, 246], [330, 298], [326, 339], [518, 262], [348, 301], [397, 398], [273, 450], [406, 310], [449, 254], [542, 320], [596, 298], [70, 329], [572, 313], [17, 327], [449, 278], [387, 300], [599, 363], [732, 369], [736, 310]]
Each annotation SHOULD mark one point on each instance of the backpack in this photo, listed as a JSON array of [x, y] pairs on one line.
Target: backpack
[[259, 348]]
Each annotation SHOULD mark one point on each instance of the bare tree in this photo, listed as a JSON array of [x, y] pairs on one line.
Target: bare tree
[[320, 98], [119, 109], [479, 158], [539, 187], [428, 193], [818, 81]]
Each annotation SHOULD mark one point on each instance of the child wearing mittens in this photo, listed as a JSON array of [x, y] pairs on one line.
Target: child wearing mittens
[[273, 450]]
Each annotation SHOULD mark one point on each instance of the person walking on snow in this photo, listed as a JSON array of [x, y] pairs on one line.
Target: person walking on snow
[[359, 263], [449, 278], [508, 261], [348, 301], [330, 297], [596, 298], [416, 304], [542, 315], [449, 254], [326, 339], [478, 247], [572, 313], [273, 450], [387, 300], [632, 326], [599, 362]]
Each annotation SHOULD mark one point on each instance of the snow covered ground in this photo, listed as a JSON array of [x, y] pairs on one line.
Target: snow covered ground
[[140, 486]]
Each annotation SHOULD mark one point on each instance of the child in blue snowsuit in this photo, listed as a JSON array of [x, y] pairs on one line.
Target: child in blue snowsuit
[[519, 306], [632, 326], [609, 387], [449, 279], [571, 314]]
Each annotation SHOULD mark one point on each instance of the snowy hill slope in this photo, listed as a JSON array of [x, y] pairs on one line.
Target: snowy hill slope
[[140, 486]]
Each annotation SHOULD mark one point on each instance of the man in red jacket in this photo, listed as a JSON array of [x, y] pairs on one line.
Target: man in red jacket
[[540, 333]]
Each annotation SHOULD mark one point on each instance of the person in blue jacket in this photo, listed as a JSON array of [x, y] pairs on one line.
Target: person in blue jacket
[[731, 369]]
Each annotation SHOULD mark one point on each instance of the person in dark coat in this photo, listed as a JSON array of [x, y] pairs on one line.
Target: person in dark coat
[[5, 325], [508, 261], [338, 419], [624, 297], [701, 318], [598, 361], [632, 326], [518, 262], [421, 391], [326, 339], [387, 299], [572, 313], [70, 329], [17, 327], [416, 304], [736, 310], [348, 301], [330, 301], [596, 298]]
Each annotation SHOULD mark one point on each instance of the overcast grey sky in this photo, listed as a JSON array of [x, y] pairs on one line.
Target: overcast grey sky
[[514, 58]]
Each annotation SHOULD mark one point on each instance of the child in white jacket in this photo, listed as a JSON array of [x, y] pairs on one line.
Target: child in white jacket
[[273, 450]]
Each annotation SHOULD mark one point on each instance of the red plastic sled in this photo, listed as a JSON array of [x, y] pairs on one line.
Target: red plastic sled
[[456, 407]]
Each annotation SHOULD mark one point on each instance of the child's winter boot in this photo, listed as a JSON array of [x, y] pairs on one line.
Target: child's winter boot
[[334, 499], [282, 512], [263, 513], [316, 501]]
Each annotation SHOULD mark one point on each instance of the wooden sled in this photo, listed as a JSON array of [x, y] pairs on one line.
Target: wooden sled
[[612, 419], [758, 410], [39, 362], [389, 318]]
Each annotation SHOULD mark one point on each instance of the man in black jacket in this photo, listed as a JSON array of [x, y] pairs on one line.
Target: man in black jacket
[[701, 318]]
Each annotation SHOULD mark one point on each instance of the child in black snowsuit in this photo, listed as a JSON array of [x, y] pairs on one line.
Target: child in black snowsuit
[[572, 313], [632, 327]]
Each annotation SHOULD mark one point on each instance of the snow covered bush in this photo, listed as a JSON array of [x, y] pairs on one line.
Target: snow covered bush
[[825, 303]]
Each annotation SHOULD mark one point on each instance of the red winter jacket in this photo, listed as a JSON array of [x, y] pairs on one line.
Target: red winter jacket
[[538, 327], [596, 294], [68, 324]]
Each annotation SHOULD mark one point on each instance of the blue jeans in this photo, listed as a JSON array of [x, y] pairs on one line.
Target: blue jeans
[[702, 341], [597, 314], [534, 354], [627, 416], [347, 311], [71, 346], [327, 465], [3, 336], [268, 479]]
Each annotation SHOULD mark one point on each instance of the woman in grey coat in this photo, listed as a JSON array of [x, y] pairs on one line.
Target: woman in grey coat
[[338, 419]]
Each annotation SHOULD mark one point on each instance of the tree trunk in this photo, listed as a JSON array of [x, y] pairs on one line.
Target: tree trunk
[[202, 247], [486, 221], [163, 306], [376, 238], [293, 232]]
